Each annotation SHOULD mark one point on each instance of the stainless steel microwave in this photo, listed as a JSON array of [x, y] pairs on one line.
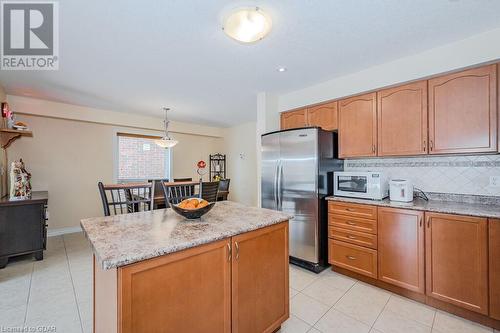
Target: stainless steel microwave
[[365, 185]]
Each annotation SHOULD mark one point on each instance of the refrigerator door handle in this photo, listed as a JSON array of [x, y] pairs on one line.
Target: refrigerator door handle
[[280, 187], [275, 184]]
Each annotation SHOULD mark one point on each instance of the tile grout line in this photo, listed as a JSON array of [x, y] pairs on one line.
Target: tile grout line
[[72, 284], [434, 319], [29, 294], [345, 293], [371, 327]]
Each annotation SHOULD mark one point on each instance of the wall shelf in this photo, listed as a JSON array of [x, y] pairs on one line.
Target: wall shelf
[[7, 136]]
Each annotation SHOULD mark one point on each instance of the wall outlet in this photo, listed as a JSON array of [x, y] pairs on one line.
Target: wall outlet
[[495, 181]]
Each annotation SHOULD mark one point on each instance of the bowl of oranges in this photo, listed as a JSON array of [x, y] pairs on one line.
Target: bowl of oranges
[[193, 208]]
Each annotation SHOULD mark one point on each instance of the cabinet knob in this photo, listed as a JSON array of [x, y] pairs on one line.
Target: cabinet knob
[[432, 145], [350, 223], [228, 252], [237, 250], [350, 257], [351, 237], [425, 145]]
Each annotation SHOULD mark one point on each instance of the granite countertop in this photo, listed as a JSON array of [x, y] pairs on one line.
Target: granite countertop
[[125, 239], [437, 206]]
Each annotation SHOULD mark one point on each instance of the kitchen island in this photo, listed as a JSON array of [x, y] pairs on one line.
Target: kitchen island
[[158, 272]]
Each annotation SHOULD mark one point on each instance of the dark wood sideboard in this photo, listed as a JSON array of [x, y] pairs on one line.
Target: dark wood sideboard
[[23, 226]]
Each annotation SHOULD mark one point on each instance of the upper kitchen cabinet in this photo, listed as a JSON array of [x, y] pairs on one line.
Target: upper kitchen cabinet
[[463, 112], [358, 126], [402, 120], [294, 119], [324, 116]]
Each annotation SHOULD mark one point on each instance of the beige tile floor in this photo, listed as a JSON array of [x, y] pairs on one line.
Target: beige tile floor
[[58, 292]]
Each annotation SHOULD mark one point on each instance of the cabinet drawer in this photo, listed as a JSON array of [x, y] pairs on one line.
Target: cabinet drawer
[[353, 237], [353, 223], [352, 257], [350, 209]]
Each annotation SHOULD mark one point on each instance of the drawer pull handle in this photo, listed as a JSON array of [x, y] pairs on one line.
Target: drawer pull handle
[[350, 223], [349, 209], [350, 257], [351, 237]]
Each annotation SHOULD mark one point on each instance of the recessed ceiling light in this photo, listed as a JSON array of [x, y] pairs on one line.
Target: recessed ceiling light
[[247, 25], [281, 69]]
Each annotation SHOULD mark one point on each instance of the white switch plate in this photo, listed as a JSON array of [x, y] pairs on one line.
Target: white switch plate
[[495, 181]]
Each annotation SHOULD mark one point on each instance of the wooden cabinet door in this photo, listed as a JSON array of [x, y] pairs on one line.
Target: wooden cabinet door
[[358, 126], [494, 256], [463, 112], [260, 280], [293, 119], [456, 250], [188, 291], [401, 248], [402, 120], [324, 116]]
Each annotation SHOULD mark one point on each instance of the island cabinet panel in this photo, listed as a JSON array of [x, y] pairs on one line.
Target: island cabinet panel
[[402, 120], [494, 256], [457, 260], [260, 295], [188, 291], [358, 126], [324, 116], [463, 112], [294, 119], [401, 248]]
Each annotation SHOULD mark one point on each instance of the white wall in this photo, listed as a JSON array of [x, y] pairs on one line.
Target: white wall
[[478, 49], [68, 157], [239, 146]]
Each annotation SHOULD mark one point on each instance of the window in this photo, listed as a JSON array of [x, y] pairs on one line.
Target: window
[[139, 158]]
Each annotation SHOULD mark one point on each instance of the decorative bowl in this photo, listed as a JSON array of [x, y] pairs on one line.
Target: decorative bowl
[[192, 214]]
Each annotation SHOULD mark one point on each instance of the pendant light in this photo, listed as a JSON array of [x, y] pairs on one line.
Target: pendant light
[[166, 141]]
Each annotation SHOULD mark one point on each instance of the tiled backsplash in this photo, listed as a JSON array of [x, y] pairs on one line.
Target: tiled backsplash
[[447, 174]]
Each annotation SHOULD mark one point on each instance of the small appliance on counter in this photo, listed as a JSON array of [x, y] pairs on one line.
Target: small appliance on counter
[[364, 185], [401, 190]]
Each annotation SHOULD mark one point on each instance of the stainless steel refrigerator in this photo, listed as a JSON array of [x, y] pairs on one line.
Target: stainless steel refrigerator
[[297, 175]]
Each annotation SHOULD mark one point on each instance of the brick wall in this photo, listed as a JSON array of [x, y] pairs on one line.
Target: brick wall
[[140, 158]]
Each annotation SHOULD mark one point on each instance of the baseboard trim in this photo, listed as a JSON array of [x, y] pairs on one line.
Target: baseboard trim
[[63, 231]]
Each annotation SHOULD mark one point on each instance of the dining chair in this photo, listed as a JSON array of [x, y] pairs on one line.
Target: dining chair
[[158, 204], [177, 191], [223, 189], [126, 198], [209, 191], [176, 180]]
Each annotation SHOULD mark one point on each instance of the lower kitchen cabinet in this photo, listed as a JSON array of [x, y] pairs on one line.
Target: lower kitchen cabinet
[[260, 295], [457, 260], [239, 284], [355, 258], [188, 291], [401, 248], [494, 234]]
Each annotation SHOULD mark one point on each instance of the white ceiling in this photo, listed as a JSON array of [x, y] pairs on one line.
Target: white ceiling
[[136, 56]]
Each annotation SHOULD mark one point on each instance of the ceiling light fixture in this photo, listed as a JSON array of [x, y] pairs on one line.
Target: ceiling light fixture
[[247, 25], [281, 69], [166, 141]]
